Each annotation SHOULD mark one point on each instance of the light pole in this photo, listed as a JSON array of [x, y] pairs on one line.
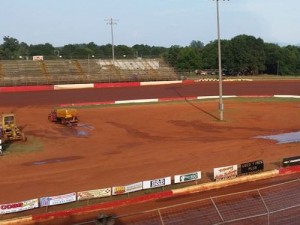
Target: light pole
[[221, 105], [112, 22]]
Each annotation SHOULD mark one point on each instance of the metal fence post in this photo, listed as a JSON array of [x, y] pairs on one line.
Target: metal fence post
[[265, 206], [217, 210], [160, 217]]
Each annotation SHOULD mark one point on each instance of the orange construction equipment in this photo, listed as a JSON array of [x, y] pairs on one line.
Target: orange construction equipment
[[65, 116]]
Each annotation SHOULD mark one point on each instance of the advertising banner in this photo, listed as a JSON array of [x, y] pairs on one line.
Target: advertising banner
[[224, 173], [119, 190], [127, 189], [57, 200], [97, 193], [187, 177], [37, 58], [157, 183], [19, 206], [252, 167]]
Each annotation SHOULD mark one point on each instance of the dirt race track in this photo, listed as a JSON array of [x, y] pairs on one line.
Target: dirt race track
[[120, 145]]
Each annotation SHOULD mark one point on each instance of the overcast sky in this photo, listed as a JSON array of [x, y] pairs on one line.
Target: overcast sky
[[152, 22]]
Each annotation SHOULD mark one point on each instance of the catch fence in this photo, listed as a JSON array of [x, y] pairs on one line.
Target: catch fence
[[274, 205]]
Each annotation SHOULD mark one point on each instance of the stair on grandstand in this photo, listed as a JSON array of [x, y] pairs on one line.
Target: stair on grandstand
[[65, 71]]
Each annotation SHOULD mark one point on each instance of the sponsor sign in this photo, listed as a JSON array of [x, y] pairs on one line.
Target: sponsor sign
[[57, 200], [19, 206], [187, 177], [127, 189], [224, 173], [118, 190], [157, 183], [252, 167], [97, 193], [37, 58], [134, 187], [292, 161]]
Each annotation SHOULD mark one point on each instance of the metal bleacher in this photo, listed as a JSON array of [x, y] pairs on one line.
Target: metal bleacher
[[27, 72], [20, 73]]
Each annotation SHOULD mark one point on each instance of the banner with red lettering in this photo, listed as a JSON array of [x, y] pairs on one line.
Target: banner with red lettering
[[37, 58], [97, 193], [19, 206], [224, 173]]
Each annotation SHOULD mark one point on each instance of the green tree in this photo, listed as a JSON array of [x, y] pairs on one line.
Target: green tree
[[24, 50], [147, 51], [141, 50], [41, 49], [122, 51], [82, 52], [188, 59], [10, 48], [246, 55], [289, 61], [197, 44], [68, 51], [76, 51], [172, 54], [106, 50], [273, 57]]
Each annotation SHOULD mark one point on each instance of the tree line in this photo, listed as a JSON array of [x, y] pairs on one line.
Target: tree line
[[243, 54]]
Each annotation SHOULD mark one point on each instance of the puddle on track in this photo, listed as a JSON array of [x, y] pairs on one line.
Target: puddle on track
[[292, 137]]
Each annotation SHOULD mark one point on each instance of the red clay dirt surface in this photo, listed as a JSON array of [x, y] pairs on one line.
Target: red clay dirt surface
[[121, 145], [124, 144]]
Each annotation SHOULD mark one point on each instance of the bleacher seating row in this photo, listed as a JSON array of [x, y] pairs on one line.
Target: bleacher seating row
[[26, 72]]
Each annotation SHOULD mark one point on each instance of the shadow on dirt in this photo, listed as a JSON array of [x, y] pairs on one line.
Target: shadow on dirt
[[175, 89]]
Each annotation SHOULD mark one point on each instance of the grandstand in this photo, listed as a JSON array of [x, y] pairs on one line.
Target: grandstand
[[27, 72]]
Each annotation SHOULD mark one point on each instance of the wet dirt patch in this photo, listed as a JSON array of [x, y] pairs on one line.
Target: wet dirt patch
[[85, 126], [81, 130], [52, 160]]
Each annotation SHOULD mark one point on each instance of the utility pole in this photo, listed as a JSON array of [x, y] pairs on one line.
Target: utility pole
[[221, 105], [112, 22]]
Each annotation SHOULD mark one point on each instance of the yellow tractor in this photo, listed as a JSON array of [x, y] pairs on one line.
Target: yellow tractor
[[9, 131]]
